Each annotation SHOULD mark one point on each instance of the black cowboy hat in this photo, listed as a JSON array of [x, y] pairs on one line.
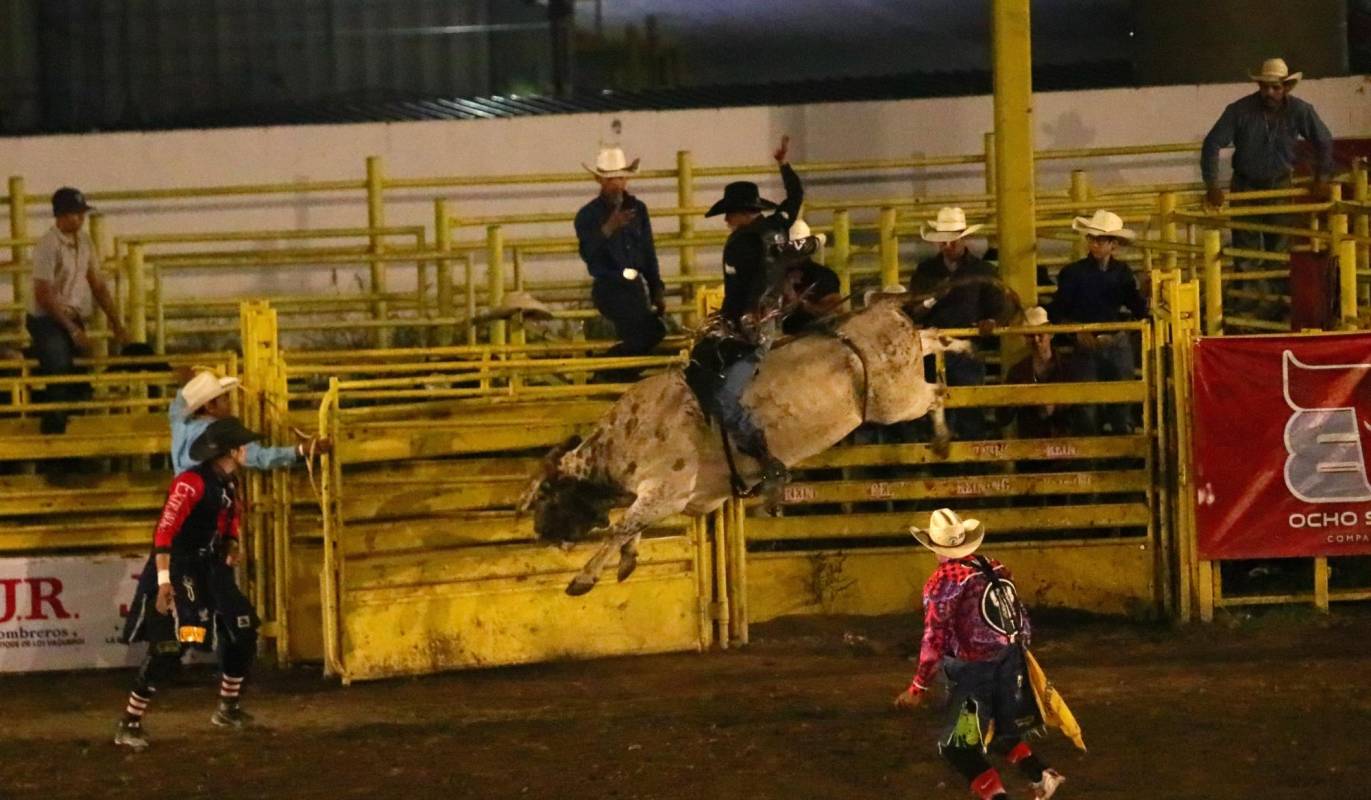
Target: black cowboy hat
[[740, 196], [222, 436]]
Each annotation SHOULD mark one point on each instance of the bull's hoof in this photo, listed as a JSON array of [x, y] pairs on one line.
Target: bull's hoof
[[942, 447], [580, 585], [627, 563]]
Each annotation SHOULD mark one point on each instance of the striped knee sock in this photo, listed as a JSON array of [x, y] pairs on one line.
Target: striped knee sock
[[229, 690], [137, 706]]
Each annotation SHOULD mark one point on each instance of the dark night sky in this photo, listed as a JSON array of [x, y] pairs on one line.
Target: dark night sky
[[734, 41]]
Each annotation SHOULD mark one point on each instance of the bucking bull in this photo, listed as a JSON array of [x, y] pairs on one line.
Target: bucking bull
[[656, 451]]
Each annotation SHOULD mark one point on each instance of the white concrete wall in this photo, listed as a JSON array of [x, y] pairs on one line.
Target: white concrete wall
[[834, 131]]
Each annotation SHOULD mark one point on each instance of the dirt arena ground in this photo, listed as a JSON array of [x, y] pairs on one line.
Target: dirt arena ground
[[1272, 706]]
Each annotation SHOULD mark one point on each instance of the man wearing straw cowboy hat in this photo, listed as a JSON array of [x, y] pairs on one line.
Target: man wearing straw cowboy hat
[[615, 238], [974, 301], [1263, 129], [204, 399], [977, 631], [1096, 289]]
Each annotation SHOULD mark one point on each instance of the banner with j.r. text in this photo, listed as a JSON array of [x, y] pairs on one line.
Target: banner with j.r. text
[[66, 613], [1282, 438]]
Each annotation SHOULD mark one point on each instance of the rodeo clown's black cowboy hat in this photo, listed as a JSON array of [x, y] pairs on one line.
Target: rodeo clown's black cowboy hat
[[222, 436], [740, 196]]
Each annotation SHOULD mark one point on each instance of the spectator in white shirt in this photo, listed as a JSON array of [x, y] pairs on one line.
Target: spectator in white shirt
[[66, 275]]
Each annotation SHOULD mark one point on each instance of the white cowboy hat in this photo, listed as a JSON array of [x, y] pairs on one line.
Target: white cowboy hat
[[948, 227], [949, 535], [1035, 316], [1275, 70], [204, 387], [885, 291], [612, 163], [799, 231], [1103, 223]]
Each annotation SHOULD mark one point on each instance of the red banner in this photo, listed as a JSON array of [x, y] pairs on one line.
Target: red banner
[[1281, 446]]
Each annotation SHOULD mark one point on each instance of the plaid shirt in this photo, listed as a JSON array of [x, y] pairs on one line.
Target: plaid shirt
[[953, 623]]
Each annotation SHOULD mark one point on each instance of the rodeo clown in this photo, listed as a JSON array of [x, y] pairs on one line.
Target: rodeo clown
[[978, 631], [187, 596], [757, 257]]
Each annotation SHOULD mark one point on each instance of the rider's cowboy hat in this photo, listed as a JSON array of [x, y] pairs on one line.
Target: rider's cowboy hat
[[204, 387], [1103, 223], [1275, 70], [1035, 316], [740, 196], [222, 436], [612, 163], [799, 231], [949, 535], [948, 227]]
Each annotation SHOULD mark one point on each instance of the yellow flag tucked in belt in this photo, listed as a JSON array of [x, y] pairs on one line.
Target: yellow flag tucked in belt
[[1050, 703]]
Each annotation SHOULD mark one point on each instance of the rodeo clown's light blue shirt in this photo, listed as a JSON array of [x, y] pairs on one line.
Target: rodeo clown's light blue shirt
[[185, 430]]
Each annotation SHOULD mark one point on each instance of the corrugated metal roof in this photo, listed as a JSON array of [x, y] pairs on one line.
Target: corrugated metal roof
[[888, 87]]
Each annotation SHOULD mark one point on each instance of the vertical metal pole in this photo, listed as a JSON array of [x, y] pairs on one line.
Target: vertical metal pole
[[1014, 200], [841, 253], [442, 235], [1166, 206], [1080, 194], [19, 229], [469, 271], [1347, 283], [99, 323], [685, 199], [1362, 226], [1213, 283], [376, 218], [138, 294], [495, 279], [990, 163], [889, 249]]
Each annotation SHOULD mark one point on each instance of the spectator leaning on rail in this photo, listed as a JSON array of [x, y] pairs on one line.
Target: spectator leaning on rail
[[973, 301], [186, 595], [1263, 128], [615, 238], [811, 290], [66, 274], [977, 632], [1097, 289], [205, 399]]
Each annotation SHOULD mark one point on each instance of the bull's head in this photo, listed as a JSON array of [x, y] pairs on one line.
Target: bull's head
[[564, 508]]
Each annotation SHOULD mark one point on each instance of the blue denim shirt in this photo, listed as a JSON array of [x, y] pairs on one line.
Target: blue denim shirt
[[1264, 150], [630, 247], [185, 431]]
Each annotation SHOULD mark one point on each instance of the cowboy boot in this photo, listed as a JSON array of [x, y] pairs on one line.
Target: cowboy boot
[[774, 472]]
